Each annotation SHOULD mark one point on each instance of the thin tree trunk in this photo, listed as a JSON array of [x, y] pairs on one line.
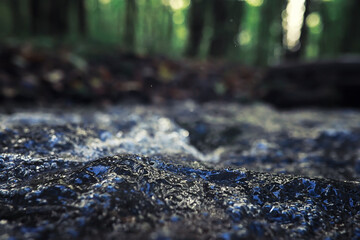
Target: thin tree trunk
[[304, 30], [130, 22], [227, 17], [270, 30], [35, 14], [196, 26], [264, 33], [16, 17], [351, 38], [81, 11], [218, 42], [58, 17]]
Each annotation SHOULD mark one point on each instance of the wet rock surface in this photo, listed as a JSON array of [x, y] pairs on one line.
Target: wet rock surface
[[187, 171]]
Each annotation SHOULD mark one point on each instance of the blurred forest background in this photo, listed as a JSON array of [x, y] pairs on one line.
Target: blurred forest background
[[255, 32], [285, 52]]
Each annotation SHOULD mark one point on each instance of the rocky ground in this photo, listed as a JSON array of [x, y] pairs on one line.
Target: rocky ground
[[179, 171]]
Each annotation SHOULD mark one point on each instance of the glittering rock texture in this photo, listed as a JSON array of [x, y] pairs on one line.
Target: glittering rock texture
[[185, 171]]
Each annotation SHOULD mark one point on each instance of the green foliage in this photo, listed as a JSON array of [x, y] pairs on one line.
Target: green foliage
[[249, 31]]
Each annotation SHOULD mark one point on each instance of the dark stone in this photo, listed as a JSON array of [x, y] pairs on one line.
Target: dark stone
[[273, 179]]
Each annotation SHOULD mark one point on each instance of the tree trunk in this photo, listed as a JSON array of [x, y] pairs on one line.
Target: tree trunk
[[226, 23], [35, 15], [49, 17], [130, 22], [351, 38], [196, 26], [304, 30], [270, 16], [16, 17], [58, 17], [81, 11], [218, 42]]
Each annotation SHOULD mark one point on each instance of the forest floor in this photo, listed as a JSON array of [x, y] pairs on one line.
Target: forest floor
[[28, 74], [33, 75]]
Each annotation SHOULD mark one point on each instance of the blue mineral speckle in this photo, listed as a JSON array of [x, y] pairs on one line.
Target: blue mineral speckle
[[78, 181], [276, 193], [105, 135], [225, 236], [175, 218], [257, 199], [98, 170]]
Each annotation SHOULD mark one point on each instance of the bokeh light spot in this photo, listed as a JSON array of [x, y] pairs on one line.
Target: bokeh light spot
[[178, 18], [255, 3], [179, 4], [244, 37], [313, 20], [105, 1]]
